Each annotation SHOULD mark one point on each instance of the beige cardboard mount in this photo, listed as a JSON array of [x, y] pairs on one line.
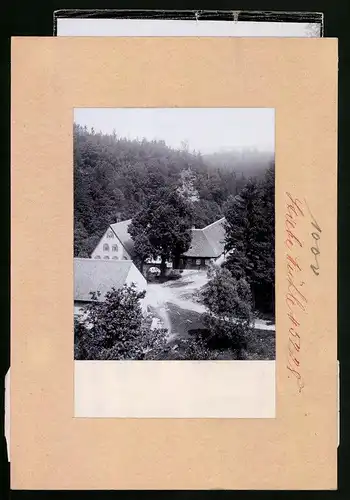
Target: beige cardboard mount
[[50, 449]]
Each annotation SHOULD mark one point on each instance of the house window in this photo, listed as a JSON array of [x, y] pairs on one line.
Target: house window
[[106, 247], [106, 257], [115, 258], [114, 248], [97, 257], [198, 262], [207, 262], [110, 234]]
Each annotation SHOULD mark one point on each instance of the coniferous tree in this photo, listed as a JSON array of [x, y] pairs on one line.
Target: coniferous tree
[[250, 238]]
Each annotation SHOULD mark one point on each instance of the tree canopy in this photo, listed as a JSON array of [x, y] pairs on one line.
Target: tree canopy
[[163, 227]]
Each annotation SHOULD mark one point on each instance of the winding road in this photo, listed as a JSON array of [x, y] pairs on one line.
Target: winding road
[[174, 303]]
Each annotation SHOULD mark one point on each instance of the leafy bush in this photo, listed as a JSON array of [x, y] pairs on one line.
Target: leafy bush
[[174, 274], [115, 329], [229, 316]]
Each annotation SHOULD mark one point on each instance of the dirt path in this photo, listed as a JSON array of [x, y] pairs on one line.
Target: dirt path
[[175, 304]]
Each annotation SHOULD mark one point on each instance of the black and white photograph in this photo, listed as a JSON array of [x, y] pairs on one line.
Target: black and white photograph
[[174, 234]]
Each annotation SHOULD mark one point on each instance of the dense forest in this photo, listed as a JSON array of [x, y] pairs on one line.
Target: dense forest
[[115, 177]]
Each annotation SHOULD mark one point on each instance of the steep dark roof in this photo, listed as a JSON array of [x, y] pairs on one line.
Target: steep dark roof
[[215, 233], [200, 246], [92, 275], [121, 231], [208, 242]]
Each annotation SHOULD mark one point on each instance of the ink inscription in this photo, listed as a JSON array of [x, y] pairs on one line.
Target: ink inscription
[[295, 298], [315, 249]]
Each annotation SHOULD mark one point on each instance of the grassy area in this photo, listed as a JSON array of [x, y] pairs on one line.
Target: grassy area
[[185, 323], [183, 320], [261, 345]]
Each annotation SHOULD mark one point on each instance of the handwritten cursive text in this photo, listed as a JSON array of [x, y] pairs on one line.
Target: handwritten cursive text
[[315, 249], [295, 297]]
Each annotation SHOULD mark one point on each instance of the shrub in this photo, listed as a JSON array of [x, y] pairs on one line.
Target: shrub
[[191, 349], [174, 274], [229, 316], [117, 329]]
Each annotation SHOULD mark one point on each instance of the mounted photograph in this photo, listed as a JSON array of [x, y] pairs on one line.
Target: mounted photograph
[[174, 234]]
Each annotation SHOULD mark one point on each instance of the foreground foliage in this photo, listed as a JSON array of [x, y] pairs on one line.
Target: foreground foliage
[[116, 329], [229, 317]]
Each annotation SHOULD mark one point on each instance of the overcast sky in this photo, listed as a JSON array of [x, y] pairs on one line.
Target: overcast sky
[[205, 129]]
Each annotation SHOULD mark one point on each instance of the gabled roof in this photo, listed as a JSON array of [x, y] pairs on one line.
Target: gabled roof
[[215, 234], [200, 246], [92, 275], [120, 229], [208, 242]]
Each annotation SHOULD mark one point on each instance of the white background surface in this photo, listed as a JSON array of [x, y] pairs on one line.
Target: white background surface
[[168, 27], [174, 389]]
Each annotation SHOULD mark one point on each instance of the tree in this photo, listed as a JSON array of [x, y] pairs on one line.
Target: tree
[[116, 329], [268, 255], [229, 315], [80, 236], [186, 188], [165, 226], [246, 236], [142, 248], [250, 238], [205, 213]]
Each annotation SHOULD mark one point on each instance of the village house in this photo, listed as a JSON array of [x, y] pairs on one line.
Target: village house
[[207, 245], [116, 243], [92, 275]]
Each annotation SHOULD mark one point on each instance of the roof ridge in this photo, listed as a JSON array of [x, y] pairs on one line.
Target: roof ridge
[[113, 261], [215, 222], [120, 222]]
